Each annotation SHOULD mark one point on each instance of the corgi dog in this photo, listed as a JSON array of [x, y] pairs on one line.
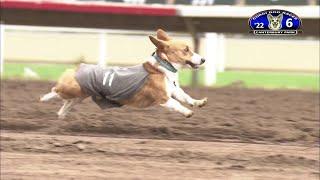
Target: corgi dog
[[155, 82], [275, 22]]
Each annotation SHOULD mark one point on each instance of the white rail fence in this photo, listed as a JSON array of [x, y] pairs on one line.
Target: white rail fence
[[214, 45]]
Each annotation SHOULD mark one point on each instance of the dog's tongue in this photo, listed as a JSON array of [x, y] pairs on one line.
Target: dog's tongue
[[194, 66]]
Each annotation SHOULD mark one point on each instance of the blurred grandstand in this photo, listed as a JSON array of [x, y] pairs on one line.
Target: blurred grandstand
[[213, 2], [115, 32]]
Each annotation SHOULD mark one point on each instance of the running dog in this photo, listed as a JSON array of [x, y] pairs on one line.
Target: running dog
[[154, 82]]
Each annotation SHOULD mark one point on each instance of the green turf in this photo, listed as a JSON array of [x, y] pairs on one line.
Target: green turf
[[260, 79], [45, 71], [246, 78]]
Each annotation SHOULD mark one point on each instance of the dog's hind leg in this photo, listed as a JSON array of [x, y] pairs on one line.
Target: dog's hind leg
[[67, 106], [49, 96]]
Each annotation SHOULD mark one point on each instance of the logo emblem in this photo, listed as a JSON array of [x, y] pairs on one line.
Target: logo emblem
[[275, 22]]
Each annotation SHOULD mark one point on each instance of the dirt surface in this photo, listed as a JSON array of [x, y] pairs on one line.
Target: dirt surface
[[240, 134]]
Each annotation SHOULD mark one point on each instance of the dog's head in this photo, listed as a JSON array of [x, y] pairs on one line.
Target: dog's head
[[176, 52], [275, 21]]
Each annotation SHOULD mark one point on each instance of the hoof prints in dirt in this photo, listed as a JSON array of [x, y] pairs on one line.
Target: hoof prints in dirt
[[238, 114]]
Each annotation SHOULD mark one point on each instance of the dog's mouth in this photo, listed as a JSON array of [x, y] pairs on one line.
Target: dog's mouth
[[191, 64]]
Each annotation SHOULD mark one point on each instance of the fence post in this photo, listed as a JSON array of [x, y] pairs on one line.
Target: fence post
[[195, 74], [196, 43], [210, 69], [215, 55], [2, 28]]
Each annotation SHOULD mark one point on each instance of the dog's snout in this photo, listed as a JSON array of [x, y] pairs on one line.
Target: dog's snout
[[202, 60]]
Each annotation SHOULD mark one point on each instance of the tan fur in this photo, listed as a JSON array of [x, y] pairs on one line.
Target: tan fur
[[152, 93], [171, 50], [67, 86]]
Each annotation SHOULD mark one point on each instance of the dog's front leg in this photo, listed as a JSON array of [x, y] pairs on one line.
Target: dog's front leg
[[174, 105], [181, 96]]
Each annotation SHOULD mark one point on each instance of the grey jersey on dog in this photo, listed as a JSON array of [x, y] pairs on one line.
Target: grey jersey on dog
[[111, 84]]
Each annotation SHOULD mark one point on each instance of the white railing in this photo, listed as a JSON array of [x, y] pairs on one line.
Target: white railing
[[214, 44]]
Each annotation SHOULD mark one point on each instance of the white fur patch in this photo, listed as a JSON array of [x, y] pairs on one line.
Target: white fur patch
[[174, 105], [49, 96], [180, 95], [196, 59]]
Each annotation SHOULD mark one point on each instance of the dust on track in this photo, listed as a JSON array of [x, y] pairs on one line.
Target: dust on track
[[284, 123]]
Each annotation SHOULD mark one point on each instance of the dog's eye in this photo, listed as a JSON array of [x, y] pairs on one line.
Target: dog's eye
[[186, 49]]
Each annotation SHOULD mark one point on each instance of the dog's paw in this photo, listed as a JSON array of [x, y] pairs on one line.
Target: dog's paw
[[201, 103], [188, 114]]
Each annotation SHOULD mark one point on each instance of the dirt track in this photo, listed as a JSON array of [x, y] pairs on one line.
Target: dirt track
[[241, 134]]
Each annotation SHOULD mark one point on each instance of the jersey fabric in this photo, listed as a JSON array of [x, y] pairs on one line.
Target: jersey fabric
[[108, 85]]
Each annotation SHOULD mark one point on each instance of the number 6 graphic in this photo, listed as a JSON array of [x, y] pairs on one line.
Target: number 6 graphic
[[289, 22]]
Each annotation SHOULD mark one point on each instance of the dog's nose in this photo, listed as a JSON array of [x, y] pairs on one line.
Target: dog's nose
[[202, 60]]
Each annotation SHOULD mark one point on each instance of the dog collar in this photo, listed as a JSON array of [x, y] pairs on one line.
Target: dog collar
[[164, 63]]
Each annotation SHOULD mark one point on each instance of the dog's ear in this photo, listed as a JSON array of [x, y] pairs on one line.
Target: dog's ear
[[269, 16], [158, 42], [280, 16], [161, 34]]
